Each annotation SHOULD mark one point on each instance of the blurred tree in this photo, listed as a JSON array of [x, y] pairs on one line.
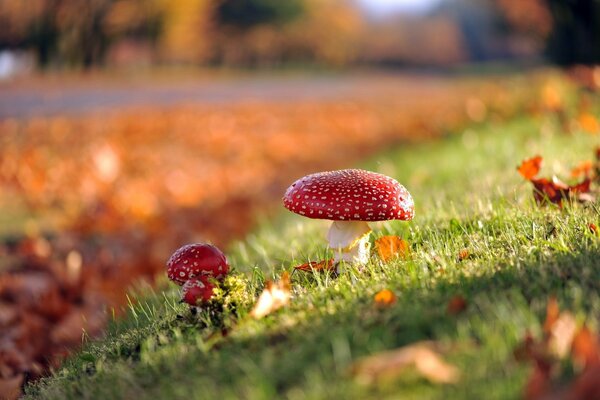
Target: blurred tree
[[249, 13], [570, 29], [575, 37], [62, 31], [186, 30]]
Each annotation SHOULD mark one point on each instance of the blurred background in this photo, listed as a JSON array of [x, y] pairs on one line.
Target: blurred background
[[131, 127], [42, 34]]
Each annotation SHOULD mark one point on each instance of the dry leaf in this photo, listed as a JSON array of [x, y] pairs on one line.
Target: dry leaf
[[588, 123], [552, 314], [389, 247], [391, 364], [463, 254], [593, 228], [10, 388], [562, 334], [325, 265], [584, 168], [385, 298], [276, 295], [585, 348], [456, 305], [530, 167]]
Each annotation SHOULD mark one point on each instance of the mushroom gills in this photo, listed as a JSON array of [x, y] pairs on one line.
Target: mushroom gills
[[349, 241]]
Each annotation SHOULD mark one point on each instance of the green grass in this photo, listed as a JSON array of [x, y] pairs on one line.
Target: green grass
[[468, 195]]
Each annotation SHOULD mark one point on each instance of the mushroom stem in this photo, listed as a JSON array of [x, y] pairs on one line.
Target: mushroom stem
[[349, 241]]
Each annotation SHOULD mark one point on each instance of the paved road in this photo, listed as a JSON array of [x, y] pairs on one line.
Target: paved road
[[28, 100]]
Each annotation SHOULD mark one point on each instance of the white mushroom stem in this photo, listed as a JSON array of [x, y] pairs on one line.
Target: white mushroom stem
[[349, 241]]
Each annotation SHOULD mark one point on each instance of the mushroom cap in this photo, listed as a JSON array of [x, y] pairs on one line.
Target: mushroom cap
[[197, 290], [194, 260], [349, 195]]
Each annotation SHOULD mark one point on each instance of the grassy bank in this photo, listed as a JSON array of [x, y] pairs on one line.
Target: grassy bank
[[469, 196]]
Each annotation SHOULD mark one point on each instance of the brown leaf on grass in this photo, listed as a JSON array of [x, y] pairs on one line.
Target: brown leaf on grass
[[390, 247], [593, 228], [385, 298], [456, 305], [584, 168], [420, 357], [274, 296], [325, 265], [530, 167]]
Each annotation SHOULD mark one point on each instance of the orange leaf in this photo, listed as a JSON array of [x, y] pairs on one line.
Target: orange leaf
[[385, 298], [456, 304], [552, 314], [585, 348], [592, 227], [325, 265], [582, 169], [389, 247], [589, 123], [276, 295], [463, 254], [530, 167]]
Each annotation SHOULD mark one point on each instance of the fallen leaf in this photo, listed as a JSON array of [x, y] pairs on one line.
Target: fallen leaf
[[538, 384], [389, 247], [463, 254], [552, 314], [586, 386], [385, 298], [588, 123], [10, 388], [584, 168], [274, 296], [562, 333], [391, 364], [585, 348], [456, 305], [325, 265], [593, 228], [556, 191], [530, 167]]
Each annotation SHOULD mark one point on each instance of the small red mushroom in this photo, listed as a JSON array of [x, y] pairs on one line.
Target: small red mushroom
[[198, 259], [196, 291], [350, 198], [193, 266]]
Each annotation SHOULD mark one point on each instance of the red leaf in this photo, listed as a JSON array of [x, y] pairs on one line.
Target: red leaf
[[456, 305], [530, 167]]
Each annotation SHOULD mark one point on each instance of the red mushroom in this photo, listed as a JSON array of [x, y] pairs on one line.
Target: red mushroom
[[350, 198], [198, 259], [196, 291]]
